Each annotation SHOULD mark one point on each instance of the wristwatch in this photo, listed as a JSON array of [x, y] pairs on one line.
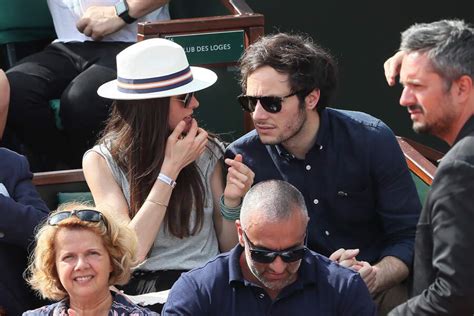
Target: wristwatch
[[121, 8]]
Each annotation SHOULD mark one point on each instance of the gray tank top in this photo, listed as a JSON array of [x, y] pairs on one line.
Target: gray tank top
[[169, 252]]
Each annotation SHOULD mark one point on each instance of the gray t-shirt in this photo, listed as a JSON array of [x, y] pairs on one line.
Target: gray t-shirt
[[169, 252]]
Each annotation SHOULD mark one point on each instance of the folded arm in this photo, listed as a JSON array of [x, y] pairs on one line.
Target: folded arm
[[100, 21]]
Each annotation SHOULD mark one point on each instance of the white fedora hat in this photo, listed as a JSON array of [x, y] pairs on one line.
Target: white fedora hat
[[155, 68]]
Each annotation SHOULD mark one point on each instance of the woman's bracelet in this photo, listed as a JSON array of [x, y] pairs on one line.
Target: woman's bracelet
[[164, 178], [157, 203], [229, 213]]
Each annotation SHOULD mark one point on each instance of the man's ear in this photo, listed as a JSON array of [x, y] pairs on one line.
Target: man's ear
[[463, 88], [312, 99], [240, 232]]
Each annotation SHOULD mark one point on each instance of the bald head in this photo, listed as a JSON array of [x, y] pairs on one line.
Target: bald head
[[271, 201]]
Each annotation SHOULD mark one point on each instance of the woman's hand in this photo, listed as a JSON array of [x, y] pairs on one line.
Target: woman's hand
[[239, 180], [183, 150]]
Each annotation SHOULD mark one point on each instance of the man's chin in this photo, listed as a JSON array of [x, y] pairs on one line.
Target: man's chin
[[420, 128], [267, 140]]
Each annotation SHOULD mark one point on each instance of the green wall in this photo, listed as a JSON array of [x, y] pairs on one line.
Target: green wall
[[361, 35]]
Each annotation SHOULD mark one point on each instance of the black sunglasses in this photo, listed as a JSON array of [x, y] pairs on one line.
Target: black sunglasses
[[185, 98], [270, 104], [83, 215], [268, 256]]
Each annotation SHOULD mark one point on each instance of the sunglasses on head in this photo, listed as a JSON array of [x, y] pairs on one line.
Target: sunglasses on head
[[84, 215], [185, 98], [270, 104], [268, 256]]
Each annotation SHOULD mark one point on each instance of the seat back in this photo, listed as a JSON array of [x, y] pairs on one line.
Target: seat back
[[57, 187], [23, 21]]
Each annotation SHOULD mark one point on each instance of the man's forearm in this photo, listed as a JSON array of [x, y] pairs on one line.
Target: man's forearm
[[139, 8], [390, 271]]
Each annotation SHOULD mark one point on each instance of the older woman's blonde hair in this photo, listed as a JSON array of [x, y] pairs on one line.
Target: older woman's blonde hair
[[119, 240]]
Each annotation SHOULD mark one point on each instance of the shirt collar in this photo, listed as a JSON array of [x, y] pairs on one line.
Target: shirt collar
[[235, 273]]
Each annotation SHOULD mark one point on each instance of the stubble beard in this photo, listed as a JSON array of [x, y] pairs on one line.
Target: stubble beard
[[440, 126], [272, 285], [295, 129]]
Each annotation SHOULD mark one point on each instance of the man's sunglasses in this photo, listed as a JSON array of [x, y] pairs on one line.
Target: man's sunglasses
[[270, 104], [268, 256], [83, 215], [185, 98]]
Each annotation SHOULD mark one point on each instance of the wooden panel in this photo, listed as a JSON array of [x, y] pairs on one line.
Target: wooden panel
[[417, 163], [195, 25], [56, 177]]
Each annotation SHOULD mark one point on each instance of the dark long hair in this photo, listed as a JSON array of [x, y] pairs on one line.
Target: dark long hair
[[137, 131]]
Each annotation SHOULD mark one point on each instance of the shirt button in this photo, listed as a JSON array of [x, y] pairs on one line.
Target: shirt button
[[326, 232], [321, 147], [315, 201], [261, 295], [308, 167], [2, 234]]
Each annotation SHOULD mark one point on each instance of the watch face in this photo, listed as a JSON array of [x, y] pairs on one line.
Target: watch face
[[121, 7]]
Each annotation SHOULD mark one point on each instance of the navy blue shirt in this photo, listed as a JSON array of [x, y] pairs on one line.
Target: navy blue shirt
[[355, 181], [322, 288]]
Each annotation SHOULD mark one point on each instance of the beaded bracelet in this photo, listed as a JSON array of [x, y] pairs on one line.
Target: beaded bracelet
[[229, 213]]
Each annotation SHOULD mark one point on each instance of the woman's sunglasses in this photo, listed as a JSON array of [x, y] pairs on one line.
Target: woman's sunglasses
[[185, 98], [83, 215], [270, 104], [268, 256]]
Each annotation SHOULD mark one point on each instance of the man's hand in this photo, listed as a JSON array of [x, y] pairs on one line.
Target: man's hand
[[99, 21], [238, 182], [347, 258], [392, 67]]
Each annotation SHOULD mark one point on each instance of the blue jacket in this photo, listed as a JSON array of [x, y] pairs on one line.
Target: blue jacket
[[21, 209]]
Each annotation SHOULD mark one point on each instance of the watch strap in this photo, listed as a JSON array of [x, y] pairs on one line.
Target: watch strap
[[123, 14]]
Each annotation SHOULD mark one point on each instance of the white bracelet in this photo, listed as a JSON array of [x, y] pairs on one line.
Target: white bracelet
[[164, 178]]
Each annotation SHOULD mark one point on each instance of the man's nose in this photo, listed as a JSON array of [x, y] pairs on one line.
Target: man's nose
[[278, 265], [259, 113], [407, 98]]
